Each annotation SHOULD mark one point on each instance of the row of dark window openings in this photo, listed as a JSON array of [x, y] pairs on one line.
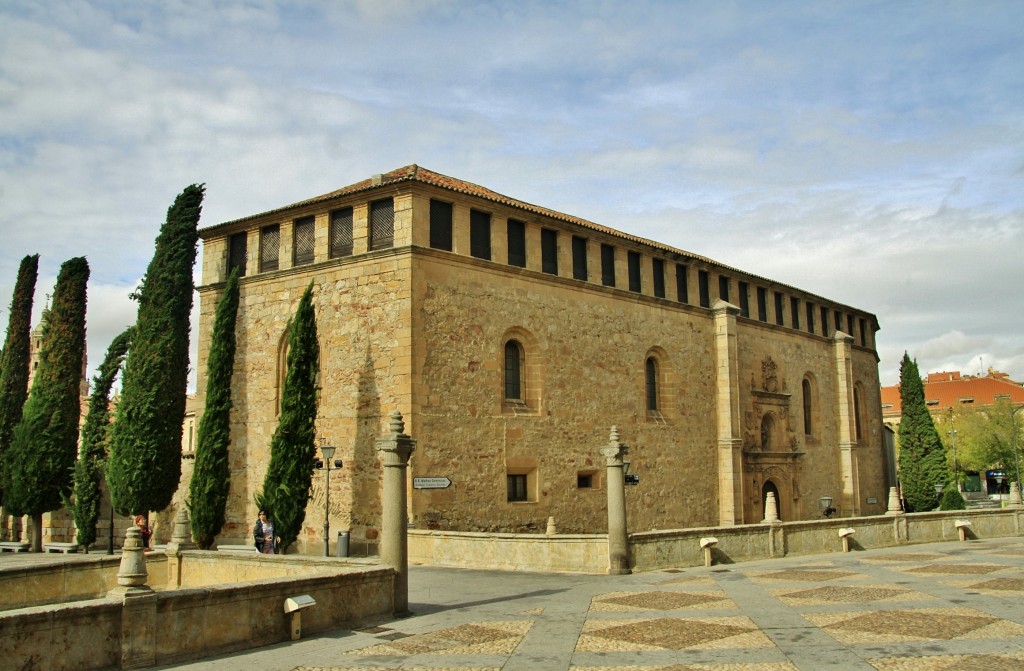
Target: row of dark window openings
[[382, 231], [517, 485], [382, 223], [480, 247]]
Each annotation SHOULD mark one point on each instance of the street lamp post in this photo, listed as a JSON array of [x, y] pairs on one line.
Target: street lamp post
[[328, 453]]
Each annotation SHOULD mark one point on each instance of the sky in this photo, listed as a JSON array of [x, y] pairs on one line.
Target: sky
[[868, 152]]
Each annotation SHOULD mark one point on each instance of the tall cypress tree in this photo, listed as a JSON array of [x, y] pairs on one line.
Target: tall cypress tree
[[922, 457], [145, 459], [15, 358], [208, 491], [45, 444], [95, 432], [293, 447]]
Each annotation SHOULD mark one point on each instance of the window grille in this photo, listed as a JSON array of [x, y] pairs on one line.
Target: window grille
[[651, 375], [517, 487], [303, 240], [579, 258], [806, 389], [824, 321], [516, 243], [237, 253], [744, 299], [270, 244], [341, 233], [549, 251], [658, 275], [440, 225], [382, 224], [780, 309], [480, 235], [633, 268], [513, 371], [762, 304], [794, 311], [810, 317], [608, 265]]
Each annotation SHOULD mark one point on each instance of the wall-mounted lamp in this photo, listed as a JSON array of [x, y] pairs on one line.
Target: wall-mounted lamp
[[826, 506]]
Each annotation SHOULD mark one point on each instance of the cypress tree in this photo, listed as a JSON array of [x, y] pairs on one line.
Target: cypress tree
[[95, 432], [208, 491], [293, 446], [15, 358], [922, 457], [45, 444], [145, 458]]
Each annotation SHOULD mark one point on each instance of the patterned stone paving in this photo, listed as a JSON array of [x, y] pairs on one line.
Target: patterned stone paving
[[974, 662], [892, 626], [908, 557], [670, 634], [778, 666], [957, 569], [630, 601], [687, 580], [803, 575], [469, 639], [828, 594]]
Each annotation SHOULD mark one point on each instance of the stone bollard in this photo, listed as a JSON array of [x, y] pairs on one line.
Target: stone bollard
[[395, 448], [618, 543], [771, 509], [132, 574], [1015, 498], [894, 507], [708, 546], [181, 539], [551, 530], [847, 534]]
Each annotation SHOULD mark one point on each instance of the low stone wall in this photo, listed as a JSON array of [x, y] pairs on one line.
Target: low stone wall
[[83, 578], [655, 550], [576, 553], [172, 624]]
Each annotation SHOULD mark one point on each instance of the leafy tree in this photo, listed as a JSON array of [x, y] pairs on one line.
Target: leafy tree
[[14, 360], [208, 491], [95, 433], [145, 459], [984, 437], [293, 447], [45, 443], [922, 457]]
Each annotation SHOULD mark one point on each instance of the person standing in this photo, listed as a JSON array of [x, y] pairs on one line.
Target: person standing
[[263, 533], [144, 532]]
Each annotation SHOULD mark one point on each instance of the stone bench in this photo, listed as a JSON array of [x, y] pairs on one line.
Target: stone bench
[[13, 546], [60, 547], [962, 526], [236, 548], [846, 533]]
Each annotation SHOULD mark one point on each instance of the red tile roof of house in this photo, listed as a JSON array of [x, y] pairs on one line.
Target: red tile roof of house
[[949, 389]]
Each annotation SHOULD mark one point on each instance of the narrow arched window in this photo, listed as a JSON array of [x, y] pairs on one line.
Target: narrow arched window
[[651, 376], [513, 371], [856, 412], [807, 406]]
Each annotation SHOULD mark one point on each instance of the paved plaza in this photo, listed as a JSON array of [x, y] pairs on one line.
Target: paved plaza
[[915, 608]]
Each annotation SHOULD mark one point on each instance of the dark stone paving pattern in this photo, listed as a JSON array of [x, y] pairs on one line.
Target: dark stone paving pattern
[[929, 608]]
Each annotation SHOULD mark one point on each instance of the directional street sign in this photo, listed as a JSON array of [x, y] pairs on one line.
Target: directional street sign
[[431, 483]]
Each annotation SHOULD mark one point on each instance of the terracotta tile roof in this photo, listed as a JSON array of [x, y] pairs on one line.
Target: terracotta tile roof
[[418, 173], [949, 389]]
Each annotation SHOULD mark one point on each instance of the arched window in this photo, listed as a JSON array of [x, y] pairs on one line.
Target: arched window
[[513, 371], [856, 412], [808, 406], [651, 377]]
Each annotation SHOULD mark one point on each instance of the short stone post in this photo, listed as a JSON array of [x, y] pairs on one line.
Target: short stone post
[[181, 539], [1015, 499], [894, 507], [138, 615], [771, 509], [395, 448], [618, 544], [132, 574], [552, 529]]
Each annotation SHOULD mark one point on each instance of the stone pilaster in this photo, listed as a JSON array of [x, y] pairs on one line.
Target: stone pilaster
[[618, 544], [730, 440], [395, 448], [849, 500]]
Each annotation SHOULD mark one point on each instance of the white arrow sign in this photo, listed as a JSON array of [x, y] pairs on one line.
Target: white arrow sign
[[431, 483]]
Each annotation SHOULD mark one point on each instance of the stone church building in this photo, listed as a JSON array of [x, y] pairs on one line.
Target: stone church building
[[512, 337]]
